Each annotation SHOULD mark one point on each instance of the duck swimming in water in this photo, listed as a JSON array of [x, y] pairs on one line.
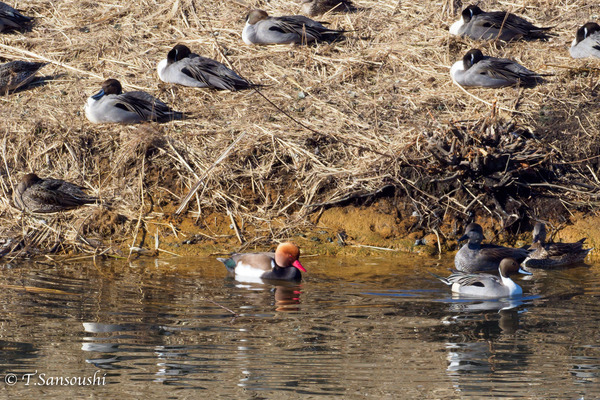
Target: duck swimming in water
[[486, 285], [283, 264], [552, 255], [474, 256]]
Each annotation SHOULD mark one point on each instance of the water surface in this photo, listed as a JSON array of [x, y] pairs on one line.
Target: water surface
[[378, 327]]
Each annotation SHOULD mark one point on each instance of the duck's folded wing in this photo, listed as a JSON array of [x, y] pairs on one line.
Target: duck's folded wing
[[498, 252], [559, 249], [498, 20], [145, 105], [507, 71], [465, 279], [49, 199], [256, 260], [12, 16], [213, 74], [67, 193], [299, 27], [521, 25]]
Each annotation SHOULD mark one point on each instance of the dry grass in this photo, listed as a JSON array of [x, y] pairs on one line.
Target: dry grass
[[370, 102]]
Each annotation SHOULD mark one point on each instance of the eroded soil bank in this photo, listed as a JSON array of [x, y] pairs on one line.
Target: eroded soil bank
[[380, 228]]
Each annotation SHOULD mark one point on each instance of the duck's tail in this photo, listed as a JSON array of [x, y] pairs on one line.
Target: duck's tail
[[441, 278]]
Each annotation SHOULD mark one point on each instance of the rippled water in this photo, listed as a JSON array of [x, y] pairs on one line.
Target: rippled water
[[353, 328]]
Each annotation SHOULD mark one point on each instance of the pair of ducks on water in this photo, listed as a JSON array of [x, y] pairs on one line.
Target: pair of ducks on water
[[474, 257], [186, 68]]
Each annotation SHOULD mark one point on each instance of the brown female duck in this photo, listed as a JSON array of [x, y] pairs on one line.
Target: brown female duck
[[551, 255], [38, 195]]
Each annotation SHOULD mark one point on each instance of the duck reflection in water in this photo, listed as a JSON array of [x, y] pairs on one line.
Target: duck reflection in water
[[484, 350], [283, 296], [287, 298]]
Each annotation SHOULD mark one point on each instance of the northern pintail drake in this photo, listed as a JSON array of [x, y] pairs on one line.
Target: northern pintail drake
[[188, 69], [486, 285], [480, 25], [586, 42], [281, 265], [550, 255], [262, 29], [11, 18], [110, 104], [39, 195], [478, 70], [318, 7], [474, 256], [16, 74]]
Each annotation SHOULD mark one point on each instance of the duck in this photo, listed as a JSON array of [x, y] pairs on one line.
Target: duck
[[16, 74], [480, 25], [318, 7], [551, 255], [475, 257], [283, 264], [11, 18], [111, 105], [260, 28], [38, 195], [487, 285], [586, 42], [188, 69], [478, 70]]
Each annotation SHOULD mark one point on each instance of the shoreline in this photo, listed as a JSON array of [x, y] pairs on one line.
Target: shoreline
[[366, 136]]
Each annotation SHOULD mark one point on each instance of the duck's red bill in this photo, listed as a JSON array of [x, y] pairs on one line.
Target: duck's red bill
[[298, 265]]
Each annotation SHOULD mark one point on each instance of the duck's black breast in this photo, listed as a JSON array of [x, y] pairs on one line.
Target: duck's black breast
[[287, 274]]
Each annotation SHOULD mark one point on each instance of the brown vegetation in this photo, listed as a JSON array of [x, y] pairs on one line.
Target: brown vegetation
[[373, 115]]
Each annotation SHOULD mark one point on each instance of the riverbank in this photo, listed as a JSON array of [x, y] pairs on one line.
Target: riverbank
[[364, 141]]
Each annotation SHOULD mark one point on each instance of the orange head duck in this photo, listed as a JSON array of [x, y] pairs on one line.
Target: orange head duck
[[281, 265]]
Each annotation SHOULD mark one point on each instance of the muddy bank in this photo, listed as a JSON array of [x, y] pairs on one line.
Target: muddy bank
[[375, 229], [491, 170]]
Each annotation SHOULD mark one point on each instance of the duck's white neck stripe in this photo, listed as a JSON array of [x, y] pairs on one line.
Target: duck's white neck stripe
[[511, 285]]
